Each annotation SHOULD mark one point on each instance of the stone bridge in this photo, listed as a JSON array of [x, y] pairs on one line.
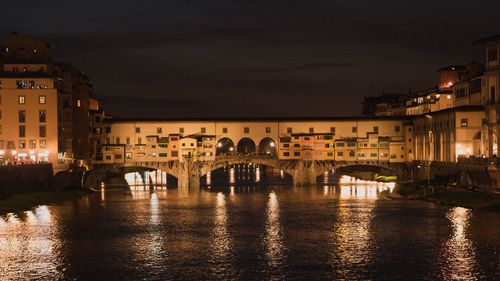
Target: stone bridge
[[304, 173]]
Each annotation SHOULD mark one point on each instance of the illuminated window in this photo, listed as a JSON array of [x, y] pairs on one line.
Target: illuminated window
[[464, 122], [22, 144], [42, 99], [32, 144], [127, 140], [340, 154], [78, 103], [332, 130], [268, 130], [43, 143], [286, 153], [159, 130], [296, 153], [21, 100]]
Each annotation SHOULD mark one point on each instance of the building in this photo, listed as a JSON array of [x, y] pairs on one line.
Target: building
[[45, 105], [341, 139]]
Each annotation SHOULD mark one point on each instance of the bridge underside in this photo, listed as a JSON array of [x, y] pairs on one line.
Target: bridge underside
[[304, 173]]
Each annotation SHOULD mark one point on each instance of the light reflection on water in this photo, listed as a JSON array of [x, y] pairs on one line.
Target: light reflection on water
[[32, 238], [459, 250], [352, 246], [247, 233], [275, 248]]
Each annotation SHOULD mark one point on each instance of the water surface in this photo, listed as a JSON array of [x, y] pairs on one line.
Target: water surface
[[273, 233]]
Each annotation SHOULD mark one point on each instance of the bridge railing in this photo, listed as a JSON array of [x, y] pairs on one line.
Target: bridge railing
[[479, 160]]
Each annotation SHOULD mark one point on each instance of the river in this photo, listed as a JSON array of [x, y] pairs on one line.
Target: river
[[266, 233]]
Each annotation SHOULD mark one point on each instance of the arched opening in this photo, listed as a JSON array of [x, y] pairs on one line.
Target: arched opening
[[249, 174], [138, 177], [362, 172], [225, 146], [267, 146], [494, 145], [246, 146], [476, 145]]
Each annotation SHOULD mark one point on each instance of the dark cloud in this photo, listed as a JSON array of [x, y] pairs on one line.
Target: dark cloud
[[258, 57]]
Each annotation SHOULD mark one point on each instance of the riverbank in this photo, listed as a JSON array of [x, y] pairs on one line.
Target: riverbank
[[29, 200], [440, 194]]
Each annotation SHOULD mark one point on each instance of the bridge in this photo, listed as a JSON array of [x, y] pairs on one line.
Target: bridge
[[304, 173]]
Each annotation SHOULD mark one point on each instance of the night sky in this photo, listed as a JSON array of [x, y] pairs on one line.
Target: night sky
[[230, 58]]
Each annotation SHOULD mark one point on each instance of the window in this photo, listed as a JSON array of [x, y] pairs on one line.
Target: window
[[139, 141], [42, 99], [128, 155], [397, 128], [354, 129], [181, 130], [492, 55], [286, 153], [375, 129], [311, 130], [373, 154], [289, 130], [246, 130], [296, 145], [464, 122], [352, 153], [492, 94], [22, 144], [108, 130], [21, 100], [127, 140], [373, 145], [78, 103], [224, 130], [203, 130], [22, 131], [42, 116], [43, 131], [332, 130], [32, 144], [296, 153], [329, 154], [137, 130], [268, 130], [117, 140], [31, 84], [159, 130], [43, 143], [162, 154], [409, 140], [340, 153], [351, 144], [22, 84], [340, 144]]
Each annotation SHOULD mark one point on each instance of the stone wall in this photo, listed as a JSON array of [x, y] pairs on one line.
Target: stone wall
[[25, 178], [16, 179]]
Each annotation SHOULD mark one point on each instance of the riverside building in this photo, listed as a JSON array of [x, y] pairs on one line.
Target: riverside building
[[44, 105]]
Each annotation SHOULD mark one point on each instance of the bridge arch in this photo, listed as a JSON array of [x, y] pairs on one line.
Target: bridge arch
[[246, 146], [225, 146], [268, 146]]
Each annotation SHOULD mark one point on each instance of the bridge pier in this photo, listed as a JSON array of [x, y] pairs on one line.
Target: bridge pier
[[189, 175], [304, 174]]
